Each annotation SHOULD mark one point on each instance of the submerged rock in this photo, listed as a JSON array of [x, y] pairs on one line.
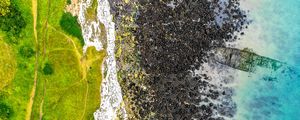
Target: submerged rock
[[244, 60]]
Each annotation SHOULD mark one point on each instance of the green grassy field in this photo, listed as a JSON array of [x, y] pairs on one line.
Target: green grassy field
[[71, 91]]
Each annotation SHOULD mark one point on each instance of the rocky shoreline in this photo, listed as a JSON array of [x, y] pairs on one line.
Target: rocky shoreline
[[171, 39]]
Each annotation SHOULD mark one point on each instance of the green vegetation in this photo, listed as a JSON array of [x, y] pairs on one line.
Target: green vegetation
[[26, 51], [70, 25], [12, 22], [48, 69], [69, 2], [7, 64], [71, 90], [4, 7], [5, 111], [17, 69]]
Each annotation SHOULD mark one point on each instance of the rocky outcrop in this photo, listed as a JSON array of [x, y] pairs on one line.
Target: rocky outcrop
[[174, 37], [244, 60]]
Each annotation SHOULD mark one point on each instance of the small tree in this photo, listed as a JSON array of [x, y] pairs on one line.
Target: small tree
[[4, 7], [13, 22], [5, 111], [48, 70], [26, 51]]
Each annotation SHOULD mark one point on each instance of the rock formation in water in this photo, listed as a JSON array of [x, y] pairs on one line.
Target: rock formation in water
[[244, 60]]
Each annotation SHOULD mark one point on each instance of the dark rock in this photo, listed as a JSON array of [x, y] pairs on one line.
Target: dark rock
[[172, 41]]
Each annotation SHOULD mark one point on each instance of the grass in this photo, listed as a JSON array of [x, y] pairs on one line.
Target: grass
[[16, 94], [72, 90], [7, 64], [7, 73]]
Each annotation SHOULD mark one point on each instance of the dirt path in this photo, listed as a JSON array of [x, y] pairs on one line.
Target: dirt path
[[45, 31], [42, 102], [44, 57], [85, 100], [32, 94]]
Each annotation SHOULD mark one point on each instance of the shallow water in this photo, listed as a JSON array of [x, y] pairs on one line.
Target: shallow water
[[274, 32]]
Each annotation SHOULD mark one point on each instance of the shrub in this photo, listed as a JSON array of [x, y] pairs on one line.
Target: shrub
[[48, 70], [69, 2], [26, 51], [70, 25], [5, 111]]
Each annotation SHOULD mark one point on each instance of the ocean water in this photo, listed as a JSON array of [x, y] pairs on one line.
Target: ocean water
[[275, 33]]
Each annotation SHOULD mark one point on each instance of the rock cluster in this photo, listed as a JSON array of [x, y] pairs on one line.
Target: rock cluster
[[174, 37], [170, 39]]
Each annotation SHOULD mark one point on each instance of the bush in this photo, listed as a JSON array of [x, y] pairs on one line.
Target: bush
[[48, 70], [4, 7], [69, 2], [5, 111], [26, 51], [70, 25], [13, 22]]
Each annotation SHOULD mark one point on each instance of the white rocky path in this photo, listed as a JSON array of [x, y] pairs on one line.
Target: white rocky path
[[111, 95]]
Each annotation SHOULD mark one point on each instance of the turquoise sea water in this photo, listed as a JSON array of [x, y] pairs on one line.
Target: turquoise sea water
[[275, 33]]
